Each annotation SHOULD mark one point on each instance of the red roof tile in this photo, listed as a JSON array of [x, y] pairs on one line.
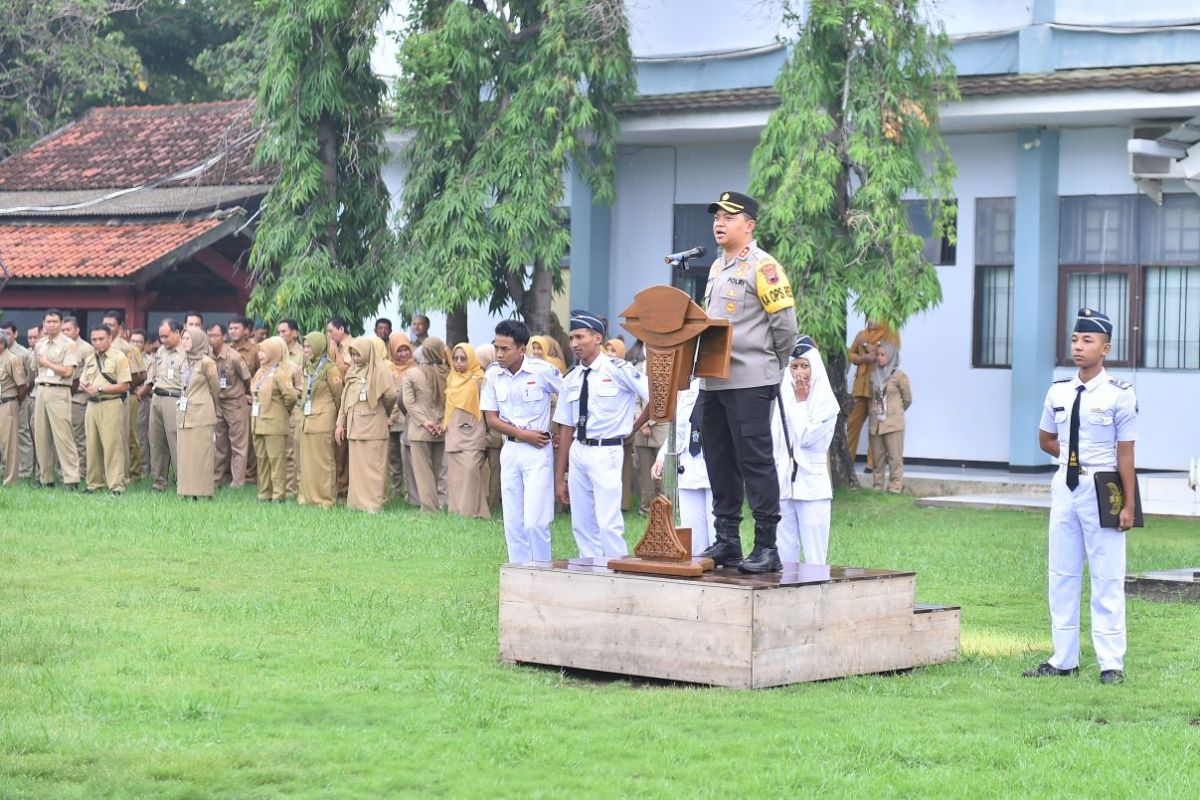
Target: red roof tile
[[93, 250], [129, 146]]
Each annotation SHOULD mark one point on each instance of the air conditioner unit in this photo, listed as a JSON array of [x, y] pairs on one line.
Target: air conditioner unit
[[1144, 166]]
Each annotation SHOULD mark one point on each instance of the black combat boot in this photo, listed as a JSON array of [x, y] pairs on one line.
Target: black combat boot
[[726, 551], [765, 556]]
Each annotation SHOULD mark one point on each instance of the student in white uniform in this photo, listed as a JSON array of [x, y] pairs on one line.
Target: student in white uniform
[[596, 414], [1089, 423], [802, 435], [695, 492], [516, 404]]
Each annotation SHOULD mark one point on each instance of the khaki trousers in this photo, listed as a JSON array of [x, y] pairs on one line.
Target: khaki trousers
[[464, 482], [627, 476], [293, 464], [79, 429], [270, 451], [492, 468], [232, 443], [888, 449], [142, 421], [25, 439], [10, 451], [164, 440], [854, 426], [105, 421], [341, 458], [396, 466], [53, 437], [647, 486], [410, 478], [133, 448], [426, 467]]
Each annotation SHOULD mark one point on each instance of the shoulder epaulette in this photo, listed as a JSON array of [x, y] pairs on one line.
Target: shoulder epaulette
[[1119, 383], [1062, 380]]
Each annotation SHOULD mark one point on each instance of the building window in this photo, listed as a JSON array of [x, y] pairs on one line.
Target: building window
[[693, 227], [992, 340], [940, 251], [1108, 289], [1171, 326]]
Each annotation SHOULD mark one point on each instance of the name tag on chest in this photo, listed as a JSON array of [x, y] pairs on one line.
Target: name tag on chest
[[183, 403], [307, 407], [254, 409], [224, 382]]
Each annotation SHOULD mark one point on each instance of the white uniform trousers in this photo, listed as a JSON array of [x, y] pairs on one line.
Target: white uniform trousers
[[804, 522], [695, 512], [1075, 532], [527, 500], [594, 481]]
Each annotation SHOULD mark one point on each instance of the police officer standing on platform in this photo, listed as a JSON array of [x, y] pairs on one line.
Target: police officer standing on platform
[[596, 415], [1089, 423], [747, 287]]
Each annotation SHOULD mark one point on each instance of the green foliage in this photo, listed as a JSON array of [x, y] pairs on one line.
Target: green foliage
[[58, 58], [499, 103], [323, 245], [855, 132]]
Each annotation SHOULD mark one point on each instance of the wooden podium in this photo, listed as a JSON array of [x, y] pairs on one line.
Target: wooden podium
[[681, 341]]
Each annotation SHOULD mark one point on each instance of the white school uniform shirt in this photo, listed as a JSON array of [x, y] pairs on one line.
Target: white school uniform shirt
[[614, 387], [522, 398], [695, 471], [1107, 415], [810, 447]]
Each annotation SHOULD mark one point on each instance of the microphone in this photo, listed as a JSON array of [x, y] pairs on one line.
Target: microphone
[[675, 258]]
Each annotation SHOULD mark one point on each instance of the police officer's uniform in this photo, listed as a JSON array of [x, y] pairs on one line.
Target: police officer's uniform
[[106, 419], [596, 453], [751, 291], [522, 399], [164, 427], [1107, 415], [54, 439]]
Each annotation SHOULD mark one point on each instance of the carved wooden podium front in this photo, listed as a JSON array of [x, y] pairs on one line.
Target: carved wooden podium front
[[681, 341]]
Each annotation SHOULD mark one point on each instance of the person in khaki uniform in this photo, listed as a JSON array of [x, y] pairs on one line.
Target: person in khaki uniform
[[196, 415], [273, 395], [53, 439], [862, 354], [367, 401], [891, 395], [399, 452], [486, 353], [241, 341], [13, 385], [289, 331], [231, 436], [79, 398], [647, 441], [29, 467], [338, 338], [164, 427], [320, 398], [115, 320], [104, 379], [424, 396], [137, 341], [466, 435], [23, 407]]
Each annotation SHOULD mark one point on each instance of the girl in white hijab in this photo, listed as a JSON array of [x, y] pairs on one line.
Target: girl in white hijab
[[802, 435]]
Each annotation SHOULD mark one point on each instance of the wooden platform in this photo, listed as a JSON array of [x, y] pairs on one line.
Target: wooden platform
[[808, 623], [1167, 586]]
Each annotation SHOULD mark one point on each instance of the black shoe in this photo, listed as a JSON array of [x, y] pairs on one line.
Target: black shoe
[[1108, 676], [87, 491], [761, 559], [868, 470], [1045, 670], [45, 485], [726, 551]]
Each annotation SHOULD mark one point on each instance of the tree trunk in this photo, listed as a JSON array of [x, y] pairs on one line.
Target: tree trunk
[[535, 305], [841, 465], [327, 144], [456, 326]]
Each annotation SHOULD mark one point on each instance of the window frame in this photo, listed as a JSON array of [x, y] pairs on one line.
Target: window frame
[[945, 246], [977, 319], [1066, 316]]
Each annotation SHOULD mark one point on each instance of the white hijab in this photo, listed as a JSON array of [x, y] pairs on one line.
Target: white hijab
[[822, 403]]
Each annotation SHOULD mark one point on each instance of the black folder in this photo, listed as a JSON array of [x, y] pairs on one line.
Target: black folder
[[1110, 498]]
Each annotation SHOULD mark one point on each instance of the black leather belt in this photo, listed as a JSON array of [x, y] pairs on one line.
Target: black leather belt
[[515, 439], [165, 393], [4, 400], [100, 398], [602, 442]]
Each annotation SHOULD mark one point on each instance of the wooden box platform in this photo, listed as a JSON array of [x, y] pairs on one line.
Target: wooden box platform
[[808, 623], [1167, 586]]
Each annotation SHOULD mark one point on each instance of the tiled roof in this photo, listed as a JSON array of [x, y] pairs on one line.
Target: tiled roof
[[1167, 78], [130, 146], [93, 250], [146, 202]]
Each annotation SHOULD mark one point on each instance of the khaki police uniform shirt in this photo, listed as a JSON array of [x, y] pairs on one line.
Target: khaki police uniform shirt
[[61, 351], [12, 374], [232, 373], [168, 369], [248, 350], [751, 291], [114, 362]]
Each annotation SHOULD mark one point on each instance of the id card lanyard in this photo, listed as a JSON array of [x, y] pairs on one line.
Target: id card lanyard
[[185, 382], [254, 407], [311, 378]]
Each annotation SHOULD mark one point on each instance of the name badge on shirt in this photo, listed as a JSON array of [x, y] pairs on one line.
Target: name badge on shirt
[[183, 403], [170, 373], [362, 396], [224, 382], [307, 407], [254, 409]]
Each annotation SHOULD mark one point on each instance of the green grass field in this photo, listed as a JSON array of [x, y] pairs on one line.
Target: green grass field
[[152, 647]]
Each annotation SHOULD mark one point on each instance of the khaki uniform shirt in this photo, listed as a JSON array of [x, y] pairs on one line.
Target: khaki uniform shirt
[[12, 374], [168, 369], [85, 352], [198, 403], [232, 373], [137, 364], [295, 358], [275, 393], [248, 350], [59, 350], [751, 291], [113, 362]]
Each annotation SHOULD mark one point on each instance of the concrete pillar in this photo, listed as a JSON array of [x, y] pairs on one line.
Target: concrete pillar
[[1035, 291], [591, 231]]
